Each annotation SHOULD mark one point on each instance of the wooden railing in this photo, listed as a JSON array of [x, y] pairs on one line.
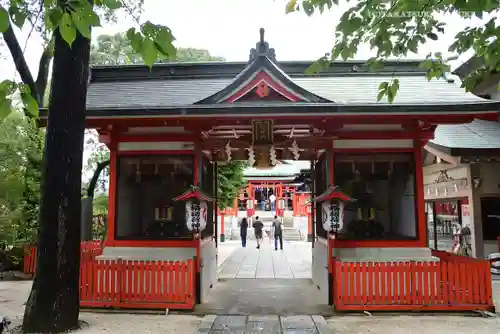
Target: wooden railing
[[88, 251], [450, 284], [138, 284]]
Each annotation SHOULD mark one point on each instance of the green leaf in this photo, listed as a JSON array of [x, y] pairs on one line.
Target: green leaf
[[4, 20], [432, 36], [67, 29], [5, 108], [380, 95], [383, 85], [394, 88], [82, 26], [18, 16], [30, 104], [112, 4], [413, 45], [390, 96], [290, 6], [148, 52]]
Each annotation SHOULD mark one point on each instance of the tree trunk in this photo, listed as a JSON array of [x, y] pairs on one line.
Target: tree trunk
[[53, 305]]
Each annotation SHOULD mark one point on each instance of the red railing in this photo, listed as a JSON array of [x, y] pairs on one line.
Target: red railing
[[450, 284], [88, 251], [138, 284]]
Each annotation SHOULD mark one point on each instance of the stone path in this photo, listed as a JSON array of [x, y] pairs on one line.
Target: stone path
[[264, 281], [293, 262], [263, 324]]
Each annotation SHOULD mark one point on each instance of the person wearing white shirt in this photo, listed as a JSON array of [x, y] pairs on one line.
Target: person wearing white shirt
[[272, 200]]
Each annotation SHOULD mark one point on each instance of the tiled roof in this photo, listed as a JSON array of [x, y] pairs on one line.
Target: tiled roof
[[478, 134], [415, 89]]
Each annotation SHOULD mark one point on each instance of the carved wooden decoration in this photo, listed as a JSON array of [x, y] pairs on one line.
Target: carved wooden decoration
[[262, 132], [262, 89]]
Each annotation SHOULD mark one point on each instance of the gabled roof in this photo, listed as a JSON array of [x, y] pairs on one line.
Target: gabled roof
[[194, 192], [473, 139], [261, 76], [212, 88], [334, 192]]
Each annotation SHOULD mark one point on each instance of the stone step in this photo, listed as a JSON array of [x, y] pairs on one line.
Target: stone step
[[315, 324]]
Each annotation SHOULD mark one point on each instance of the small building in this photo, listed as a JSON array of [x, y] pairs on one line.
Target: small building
[[462, 186], [168, 128]]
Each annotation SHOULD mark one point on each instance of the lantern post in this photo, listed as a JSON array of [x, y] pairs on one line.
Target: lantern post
[[333, 202]]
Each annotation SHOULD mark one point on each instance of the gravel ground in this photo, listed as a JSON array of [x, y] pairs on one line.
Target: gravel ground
[[14, 294], [435, 324]]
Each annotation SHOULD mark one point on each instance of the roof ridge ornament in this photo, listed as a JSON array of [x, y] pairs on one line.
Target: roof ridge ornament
[[262, 49]]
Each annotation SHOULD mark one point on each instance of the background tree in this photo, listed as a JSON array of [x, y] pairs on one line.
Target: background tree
[[117, 50], [396, 27], [19, 179], [229, 182]]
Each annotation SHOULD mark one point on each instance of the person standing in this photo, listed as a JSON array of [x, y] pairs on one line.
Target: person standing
[[277, 228], [258, 226], [272, 199], [243, 232]]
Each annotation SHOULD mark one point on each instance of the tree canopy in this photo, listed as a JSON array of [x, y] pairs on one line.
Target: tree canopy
[[393, 28]]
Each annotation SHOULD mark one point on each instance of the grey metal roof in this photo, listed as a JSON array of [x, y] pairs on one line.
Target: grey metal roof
[[478, 134], [414, 90]]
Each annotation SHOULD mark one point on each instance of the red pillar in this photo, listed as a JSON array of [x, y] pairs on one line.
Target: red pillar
[[110, 237], [419, 193], [222, 234]]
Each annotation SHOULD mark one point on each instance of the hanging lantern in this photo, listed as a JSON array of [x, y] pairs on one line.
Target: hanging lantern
[[333, 202], [281, 204], [250, 207], [196, 208]]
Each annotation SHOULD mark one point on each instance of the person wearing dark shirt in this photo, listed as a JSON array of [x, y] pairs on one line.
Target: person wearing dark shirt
[[243, 231], [258, 226], [277, 228]]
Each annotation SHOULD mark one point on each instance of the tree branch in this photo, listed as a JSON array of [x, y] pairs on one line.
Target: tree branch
[[18, 57], [95, 177], [43, 74]]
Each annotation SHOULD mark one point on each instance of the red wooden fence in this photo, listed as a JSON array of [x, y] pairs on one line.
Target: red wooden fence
[[88, 251], [138, 284], [450, 284]]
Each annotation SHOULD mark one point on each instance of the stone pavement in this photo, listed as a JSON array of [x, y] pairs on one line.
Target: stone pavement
[[264, 281], [264, 324], [293, 262]]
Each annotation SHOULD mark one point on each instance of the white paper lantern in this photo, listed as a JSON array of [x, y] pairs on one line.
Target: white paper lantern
[[250, 204], [333, 216], [196, 215], [281, 204]]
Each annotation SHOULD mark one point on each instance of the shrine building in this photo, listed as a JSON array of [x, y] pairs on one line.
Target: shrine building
[[169, 128]]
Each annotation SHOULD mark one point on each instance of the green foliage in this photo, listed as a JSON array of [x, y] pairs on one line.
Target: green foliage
[[150, 41], [396, 28], [100, 216], [229, 182], [117, 49], [21, 144]]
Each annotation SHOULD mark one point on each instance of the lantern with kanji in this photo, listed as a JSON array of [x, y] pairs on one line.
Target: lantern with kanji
[[196, 208], [333, 202]]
